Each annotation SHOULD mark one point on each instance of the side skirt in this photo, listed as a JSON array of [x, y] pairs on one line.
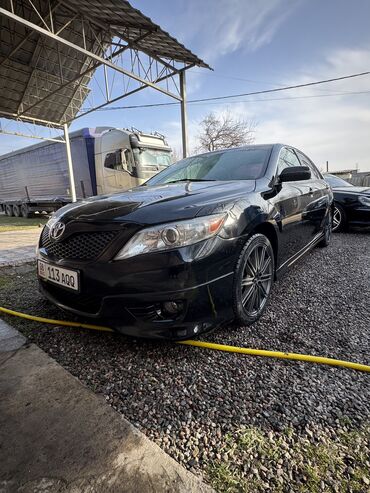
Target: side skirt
[[292, 260]]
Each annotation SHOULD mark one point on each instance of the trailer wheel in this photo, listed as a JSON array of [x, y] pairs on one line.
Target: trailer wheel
[[25, 211], [16, 210], [9, 210]]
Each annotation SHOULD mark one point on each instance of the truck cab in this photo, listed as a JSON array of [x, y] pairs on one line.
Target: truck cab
[[127, 158]]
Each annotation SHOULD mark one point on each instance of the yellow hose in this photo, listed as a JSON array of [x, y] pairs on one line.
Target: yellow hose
[[279, 354], [209, 345], [55, 322]]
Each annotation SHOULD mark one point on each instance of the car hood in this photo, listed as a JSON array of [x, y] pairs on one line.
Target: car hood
[[156, 204], [353, 190]]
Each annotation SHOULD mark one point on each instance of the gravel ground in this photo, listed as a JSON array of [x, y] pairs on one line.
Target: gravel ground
[[190, 401]]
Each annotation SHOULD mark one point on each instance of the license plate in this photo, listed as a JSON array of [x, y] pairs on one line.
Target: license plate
[[64, 277]]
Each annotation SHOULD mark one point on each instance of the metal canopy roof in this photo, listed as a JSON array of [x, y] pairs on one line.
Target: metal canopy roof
[[130, 23], [49, 51]]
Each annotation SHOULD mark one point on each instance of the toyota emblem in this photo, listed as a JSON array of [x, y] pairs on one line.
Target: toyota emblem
[[57, 230]]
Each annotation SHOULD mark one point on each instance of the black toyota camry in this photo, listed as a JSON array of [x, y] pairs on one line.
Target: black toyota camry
[[351, 204], [196, 246]]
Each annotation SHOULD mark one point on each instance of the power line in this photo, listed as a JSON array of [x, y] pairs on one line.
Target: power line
[[250, 81], [254, 93], [201, 102], [290, 98], [286, 88], [232, 77]]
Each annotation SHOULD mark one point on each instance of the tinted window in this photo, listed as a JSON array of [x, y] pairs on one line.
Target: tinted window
[[113, 160], [334, 181], [236, 164], [287, 158], [119, 160], [306, 162]]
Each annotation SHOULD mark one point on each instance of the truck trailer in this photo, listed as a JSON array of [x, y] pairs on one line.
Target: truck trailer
[[105, 160]]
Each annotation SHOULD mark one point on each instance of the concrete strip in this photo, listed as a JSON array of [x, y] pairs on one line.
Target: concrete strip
[[17, 256], [17, 269], [18, 247], [57, 436], [10, 339]]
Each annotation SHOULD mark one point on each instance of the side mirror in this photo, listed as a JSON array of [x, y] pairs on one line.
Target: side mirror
[[295, 173]]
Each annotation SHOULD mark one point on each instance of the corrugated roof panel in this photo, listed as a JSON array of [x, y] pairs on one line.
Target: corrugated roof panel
[[35, 68], [130, 23]]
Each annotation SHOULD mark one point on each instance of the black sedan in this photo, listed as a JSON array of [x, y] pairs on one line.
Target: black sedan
[[198, 245], [351, 204]]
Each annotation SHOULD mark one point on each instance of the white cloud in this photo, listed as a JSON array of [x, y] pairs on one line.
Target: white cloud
[[222, 27], [333, 128]]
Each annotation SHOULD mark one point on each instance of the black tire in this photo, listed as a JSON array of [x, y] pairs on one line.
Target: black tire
[[327, 231], [25, 211], [9, 210], [339, 219], [253, 279], [16, 210]]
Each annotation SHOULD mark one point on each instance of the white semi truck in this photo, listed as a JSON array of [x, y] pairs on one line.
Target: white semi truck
[[105, 160]]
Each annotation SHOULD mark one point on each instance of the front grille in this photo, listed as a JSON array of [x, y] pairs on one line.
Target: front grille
[[82, 302], [78, 246]]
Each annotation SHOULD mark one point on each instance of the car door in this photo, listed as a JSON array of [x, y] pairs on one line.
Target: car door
[[116, 176], [318, 198], [291, 203]]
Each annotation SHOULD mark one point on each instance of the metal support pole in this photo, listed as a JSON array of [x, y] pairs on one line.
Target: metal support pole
[[70, 165], [184, 118]]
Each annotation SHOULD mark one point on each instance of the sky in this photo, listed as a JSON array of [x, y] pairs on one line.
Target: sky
[[261, 44]]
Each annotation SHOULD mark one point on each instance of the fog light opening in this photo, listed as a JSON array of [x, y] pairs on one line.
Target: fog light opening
[[172, 307]]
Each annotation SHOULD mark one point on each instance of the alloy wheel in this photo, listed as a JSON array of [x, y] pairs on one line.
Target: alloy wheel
[[337, 218], [257, 279]]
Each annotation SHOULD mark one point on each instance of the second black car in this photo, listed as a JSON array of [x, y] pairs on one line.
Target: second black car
[[351, 204], [198, 245]]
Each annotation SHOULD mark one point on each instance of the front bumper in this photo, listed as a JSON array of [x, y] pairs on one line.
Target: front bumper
[[129, 295]]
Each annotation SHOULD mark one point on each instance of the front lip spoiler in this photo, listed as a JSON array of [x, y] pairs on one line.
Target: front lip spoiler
[[117, 315], [161, 296]]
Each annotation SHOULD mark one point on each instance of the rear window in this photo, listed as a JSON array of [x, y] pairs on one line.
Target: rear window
[[237, 164], [335, 181]]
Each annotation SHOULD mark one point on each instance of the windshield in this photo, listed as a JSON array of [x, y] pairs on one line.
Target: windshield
[[236, 164], [335, 182], [154, 157]]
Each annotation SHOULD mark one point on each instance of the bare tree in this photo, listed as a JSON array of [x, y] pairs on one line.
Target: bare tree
[[176, 155], [224, 131]]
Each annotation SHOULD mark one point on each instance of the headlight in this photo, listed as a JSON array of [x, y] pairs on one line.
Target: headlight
[[172, 235], [364, 201]]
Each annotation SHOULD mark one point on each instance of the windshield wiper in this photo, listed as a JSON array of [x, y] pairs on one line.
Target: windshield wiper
[[189, 179]]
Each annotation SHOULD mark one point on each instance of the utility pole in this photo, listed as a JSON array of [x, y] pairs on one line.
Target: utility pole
[[70, 165], [184, 122], [327, 166]]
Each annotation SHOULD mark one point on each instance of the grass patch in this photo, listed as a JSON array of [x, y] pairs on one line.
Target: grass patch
[[254, 460], [8, 223], [225, 478], [5, 281]]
